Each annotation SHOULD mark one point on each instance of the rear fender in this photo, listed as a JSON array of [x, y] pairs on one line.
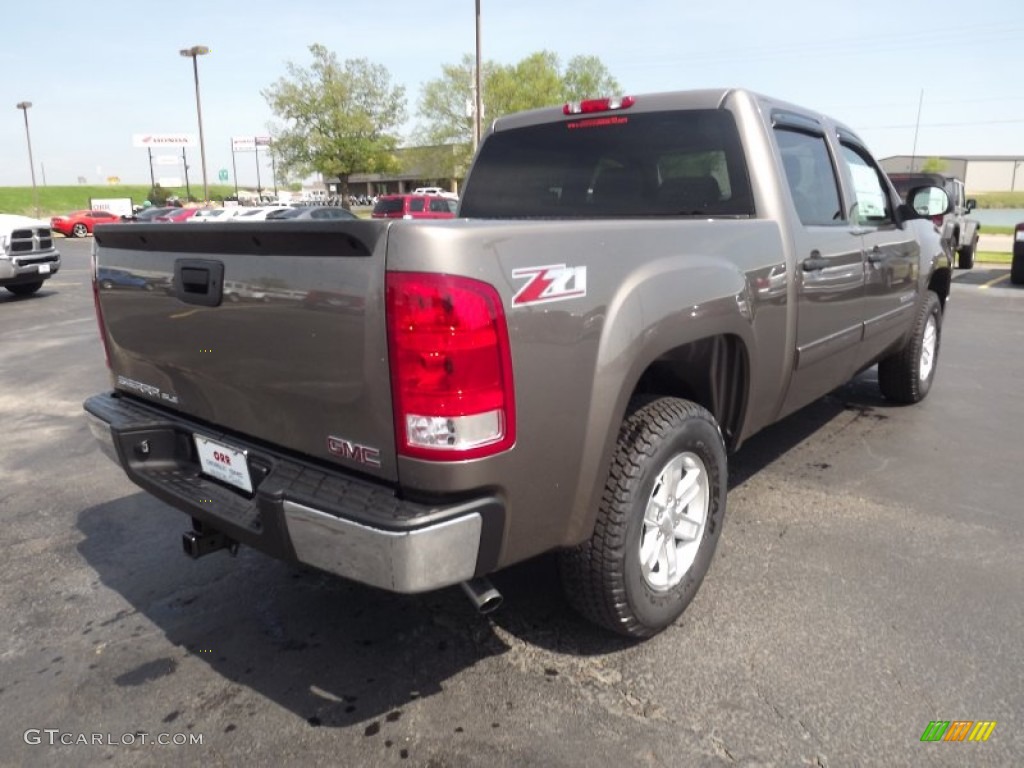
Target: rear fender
[[708, 299]]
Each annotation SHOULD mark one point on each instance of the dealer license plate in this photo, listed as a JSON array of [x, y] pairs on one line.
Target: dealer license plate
[[224, 463]]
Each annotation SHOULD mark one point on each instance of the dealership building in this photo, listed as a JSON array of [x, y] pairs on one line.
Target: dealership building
[[980, 173]]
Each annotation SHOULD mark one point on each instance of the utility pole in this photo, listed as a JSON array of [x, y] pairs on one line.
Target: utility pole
[[477, 96], [194, 53], [917, 127], [23, 106]]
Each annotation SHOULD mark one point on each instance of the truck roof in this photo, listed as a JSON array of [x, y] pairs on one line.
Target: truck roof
[[707, 98]]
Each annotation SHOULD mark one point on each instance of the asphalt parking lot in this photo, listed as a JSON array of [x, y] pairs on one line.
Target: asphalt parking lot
[[868, 581]]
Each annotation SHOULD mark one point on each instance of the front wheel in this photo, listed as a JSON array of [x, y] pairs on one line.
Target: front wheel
[[658, 522], [906, 375], [79, 230], [25, 289], [965, 255]]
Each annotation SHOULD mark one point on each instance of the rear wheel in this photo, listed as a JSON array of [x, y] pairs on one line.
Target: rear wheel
[[907, 374], [658, 523], [25, 289], [965, 255], [79, 230]]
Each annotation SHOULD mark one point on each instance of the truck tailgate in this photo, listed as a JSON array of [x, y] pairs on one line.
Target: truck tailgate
[[273, 331]]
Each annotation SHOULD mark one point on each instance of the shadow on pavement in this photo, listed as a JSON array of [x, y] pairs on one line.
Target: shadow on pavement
[[336, 653]]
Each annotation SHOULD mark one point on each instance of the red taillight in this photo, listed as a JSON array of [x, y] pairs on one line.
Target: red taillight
[[451, 367], [597, 105], [99, 311]]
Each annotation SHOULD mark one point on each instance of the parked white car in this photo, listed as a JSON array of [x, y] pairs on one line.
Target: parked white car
[[435, 191], [215, 214], [257, 214]]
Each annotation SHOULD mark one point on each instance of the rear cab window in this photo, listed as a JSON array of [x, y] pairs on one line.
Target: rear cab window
[[677, 163]]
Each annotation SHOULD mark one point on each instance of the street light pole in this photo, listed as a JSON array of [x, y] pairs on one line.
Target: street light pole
[[194, 52], [477, 97], [23, 106]]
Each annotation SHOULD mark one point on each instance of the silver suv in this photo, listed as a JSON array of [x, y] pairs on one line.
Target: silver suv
[[958, 231]]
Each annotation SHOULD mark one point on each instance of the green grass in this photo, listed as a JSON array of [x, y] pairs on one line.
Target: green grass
[[999, 199], [54, 200], [989, 257]]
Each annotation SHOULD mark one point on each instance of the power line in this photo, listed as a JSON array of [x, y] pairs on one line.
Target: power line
[[942, 125]]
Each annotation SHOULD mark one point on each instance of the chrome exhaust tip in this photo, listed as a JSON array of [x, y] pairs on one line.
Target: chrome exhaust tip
[[482, 594]]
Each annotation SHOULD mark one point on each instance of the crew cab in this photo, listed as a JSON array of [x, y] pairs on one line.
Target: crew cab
[[632, 288]]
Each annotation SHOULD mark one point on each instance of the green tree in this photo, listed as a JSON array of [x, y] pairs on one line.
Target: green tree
[[339, 118], [539, 80]]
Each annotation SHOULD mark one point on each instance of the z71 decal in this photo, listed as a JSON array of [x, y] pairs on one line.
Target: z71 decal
[[551, 283]]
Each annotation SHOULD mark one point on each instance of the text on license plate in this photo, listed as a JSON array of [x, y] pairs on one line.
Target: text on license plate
[[224, 463]]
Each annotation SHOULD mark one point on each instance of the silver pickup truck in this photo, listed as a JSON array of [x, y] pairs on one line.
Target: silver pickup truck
[[28, 256], [633, 288]]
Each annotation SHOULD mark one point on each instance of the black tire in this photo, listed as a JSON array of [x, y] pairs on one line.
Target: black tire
[[1017, 270], [906, 375], [604, 578], [79, 230], [965, 256], [25, 289]]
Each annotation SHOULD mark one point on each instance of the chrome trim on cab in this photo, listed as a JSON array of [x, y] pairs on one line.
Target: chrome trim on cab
[[399, 561]]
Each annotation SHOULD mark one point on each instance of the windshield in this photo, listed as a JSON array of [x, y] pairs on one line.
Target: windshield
[[680, 163], [388, 205]]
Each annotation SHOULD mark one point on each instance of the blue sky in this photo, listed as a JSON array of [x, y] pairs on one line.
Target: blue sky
[[96, 74]]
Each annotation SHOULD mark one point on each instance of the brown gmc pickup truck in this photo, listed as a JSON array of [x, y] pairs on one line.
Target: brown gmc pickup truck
[[631, 289]]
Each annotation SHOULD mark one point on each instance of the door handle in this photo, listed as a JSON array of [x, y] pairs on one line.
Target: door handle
[[876, 255]]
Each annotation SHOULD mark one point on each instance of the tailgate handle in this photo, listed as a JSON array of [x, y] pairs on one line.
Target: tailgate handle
[[199, 281]]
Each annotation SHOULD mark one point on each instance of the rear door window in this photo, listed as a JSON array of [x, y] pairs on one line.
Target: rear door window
[[811, 177], [416, 205]]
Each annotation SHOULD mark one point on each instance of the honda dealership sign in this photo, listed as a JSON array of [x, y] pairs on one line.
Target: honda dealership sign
[[249, 143], [163, 140]]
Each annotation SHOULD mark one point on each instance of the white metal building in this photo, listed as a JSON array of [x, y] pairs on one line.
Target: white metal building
[[980, 173]]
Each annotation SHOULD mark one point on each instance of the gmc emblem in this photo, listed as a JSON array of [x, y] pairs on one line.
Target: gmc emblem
[[346, 449]]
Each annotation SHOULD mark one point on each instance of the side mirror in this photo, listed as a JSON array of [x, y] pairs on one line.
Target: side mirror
[[971, 204], [929, 201]]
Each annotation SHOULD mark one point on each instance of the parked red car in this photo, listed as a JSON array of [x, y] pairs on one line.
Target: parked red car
[[414, 207], [80, 223], [178, 214]]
